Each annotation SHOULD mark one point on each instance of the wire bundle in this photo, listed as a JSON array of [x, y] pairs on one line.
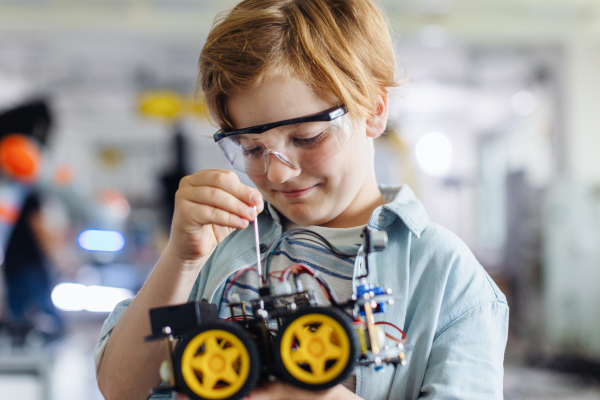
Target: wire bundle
[[298, 269], [308, 236]]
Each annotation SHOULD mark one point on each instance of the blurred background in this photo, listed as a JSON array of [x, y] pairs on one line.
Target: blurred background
[[497, 130]]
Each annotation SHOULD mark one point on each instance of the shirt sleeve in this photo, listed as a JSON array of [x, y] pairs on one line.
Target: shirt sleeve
[[466, 360], [107, 328]]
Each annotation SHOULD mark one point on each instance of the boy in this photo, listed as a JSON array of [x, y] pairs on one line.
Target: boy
[[264, 63]]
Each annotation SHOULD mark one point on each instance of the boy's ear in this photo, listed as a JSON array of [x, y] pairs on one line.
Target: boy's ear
[[376, 123]]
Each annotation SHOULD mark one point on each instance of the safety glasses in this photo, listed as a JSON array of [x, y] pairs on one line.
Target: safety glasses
[[298, 142]]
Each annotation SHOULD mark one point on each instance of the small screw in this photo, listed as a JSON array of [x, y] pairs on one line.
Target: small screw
[[293, 306], [167, 330]]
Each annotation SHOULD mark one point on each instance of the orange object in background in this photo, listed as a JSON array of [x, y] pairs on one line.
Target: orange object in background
[[63, 175], [9, 214], [20, 158]]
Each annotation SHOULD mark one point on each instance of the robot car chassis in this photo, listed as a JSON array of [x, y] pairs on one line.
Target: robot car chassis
[[286, 335]]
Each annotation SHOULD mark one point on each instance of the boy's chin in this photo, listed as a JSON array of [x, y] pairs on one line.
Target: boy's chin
[[305, 215]]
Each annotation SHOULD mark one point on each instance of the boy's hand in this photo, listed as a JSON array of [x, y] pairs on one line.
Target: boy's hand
[[209, 205], [281, 391]]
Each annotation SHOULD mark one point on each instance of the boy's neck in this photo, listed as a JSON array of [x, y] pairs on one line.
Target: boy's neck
[[360, 210]]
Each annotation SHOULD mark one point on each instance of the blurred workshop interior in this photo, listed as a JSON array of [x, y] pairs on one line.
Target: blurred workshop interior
[[497, 130]]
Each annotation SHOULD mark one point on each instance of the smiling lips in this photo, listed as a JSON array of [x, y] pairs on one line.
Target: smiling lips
[[297, 193]]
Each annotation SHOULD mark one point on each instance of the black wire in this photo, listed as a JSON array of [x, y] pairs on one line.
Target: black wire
[[332, 296], [298, 232]]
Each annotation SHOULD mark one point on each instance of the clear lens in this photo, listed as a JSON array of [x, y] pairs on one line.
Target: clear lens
[[305, 145]]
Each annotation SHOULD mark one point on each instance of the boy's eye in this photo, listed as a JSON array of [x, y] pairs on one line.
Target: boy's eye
[[310, 141], [252, 151]]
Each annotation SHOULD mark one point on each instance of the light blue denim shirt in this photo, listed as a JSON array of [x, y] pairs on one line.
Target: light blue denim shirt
[[454, 315]]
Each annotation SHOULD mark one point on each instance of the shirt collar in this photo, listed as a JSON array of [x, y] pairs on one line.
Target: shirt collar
[[273, 212], [404, 206]]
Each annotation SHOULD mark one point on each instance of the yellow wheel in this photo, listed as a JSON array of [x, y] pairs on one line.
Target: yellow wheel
[[317, 348], [217, 361]]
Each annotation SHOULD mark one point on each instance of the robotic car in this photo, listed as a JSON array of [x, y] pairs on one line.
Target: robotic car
[[286, 335]]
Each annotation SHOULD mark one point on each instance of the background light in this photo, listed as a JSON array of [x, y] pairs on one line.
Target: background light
[[434, 153], [120, 208], [523, 103], [77, 297], [98, 240]]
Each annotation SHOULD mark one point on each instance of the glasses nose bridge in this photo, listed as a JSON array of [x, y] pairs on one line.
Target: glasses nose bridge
[[280, 156]]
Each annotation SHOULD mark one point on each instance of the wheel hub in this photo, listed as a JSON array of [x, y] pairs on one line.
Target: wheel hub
[[217, 363], [316, 348]]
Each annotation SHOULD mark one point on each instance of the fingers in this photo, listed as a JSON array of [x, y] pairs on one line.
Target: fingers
[[211, 199], [280, 390], [227, 181], [218, 197], [212, 215]]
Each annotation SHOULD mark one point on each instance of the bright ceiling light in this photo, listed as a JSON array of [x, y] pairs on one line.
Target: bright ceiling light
[[99, 240], [68, 296], [77, 297], [523, 103], [434, 153], [104, 299]]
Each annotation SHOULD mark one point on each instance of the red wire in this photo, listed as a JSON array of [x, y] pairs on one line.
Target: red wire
[[234, 279], [294, 266], [393, 326], [292, 269], [359, 321]]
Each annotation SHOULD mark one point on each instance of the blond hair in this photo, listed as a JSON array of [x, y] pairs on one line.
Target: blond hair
[[342, 48]]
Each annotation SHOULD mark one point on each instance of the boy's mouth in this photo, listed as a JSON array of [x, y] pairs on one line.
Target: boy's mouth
[[297, 192]]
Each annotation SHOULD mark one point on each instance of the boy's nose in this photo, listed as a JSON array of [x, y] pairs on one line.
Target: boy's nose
[[279, 172]]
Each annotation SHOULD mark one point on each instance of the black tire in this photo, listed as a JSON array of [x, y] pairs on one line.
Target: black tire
[[245, 339], [345, 323]]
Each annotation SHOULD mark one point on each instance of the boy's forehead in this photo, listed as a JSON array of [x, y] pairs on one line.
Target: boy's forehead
[[275, 99]]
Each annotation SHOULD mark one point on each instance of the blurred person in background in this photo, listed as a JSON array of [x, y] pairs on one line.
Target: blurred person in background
[[171, 178], [27, 270], [36, 227]]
